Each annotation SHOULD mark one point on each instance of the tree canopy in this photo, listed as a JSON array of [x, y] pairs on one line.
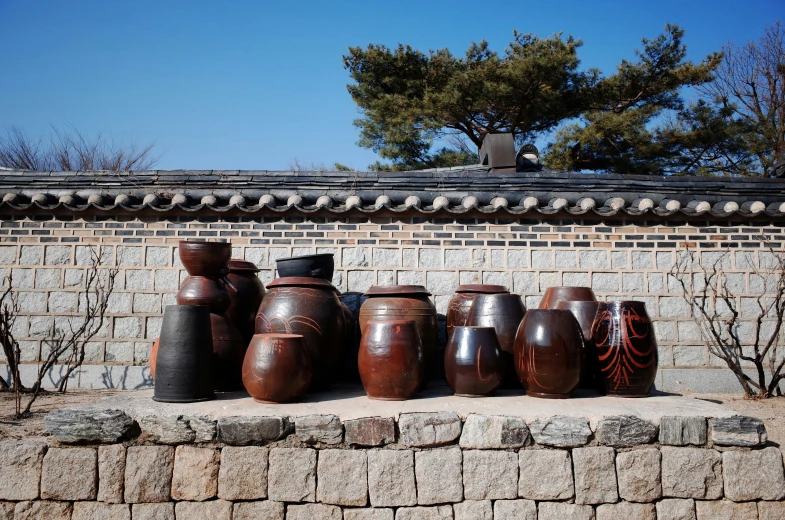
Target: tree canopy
[[635, 120]]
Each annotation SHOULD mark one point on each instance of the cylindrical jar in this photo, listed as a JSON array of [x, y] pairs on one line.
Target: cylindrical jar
[[310, 307], [626, 348], [585, 312], [548, 353], [246, 291], [404, 302], [554, 295], [460, 305], [391, 359], [473, 362], [277, 368]]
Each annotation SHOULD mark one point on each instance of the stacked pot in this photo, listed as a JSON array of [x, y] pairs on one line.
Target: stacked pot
[[301, 327]]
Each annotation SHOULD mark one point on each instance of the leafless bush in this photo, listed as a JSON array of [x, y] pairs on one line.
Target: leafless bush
[[68, 149], [65, 347], [743, 332]]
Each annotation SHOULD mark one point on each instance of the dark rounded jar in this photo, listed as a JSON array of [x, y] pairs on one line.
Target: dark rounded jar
[[277, 368], [309, 266], [473, 361], [310, 307], [391, 360], [554, 295], [626, 348], [585, 313], [548, 353], [460, 305], [246, 291]]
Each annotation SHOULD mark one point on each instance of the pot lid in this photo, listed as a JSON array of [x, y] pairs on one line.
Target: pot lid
[[301, 281], [320, 255], [376, 290], [481, 288], [235, 264]]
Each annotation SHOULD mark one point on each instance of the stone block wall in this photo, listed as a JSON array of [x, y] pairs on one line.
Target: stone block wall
[[421, 466], [620, 259]]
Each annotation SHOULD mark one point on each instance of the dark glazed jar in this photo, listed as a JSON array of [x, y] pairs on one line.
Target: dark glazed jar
[[473, 361], [504, 313], [404, 302], [277, 368], [185, 356], [554, 295], [548, 353], [460, 305], [229, 351], [309, 266], [310, 307], [391, 360], [626, 348], [585, 312], [246, 291]]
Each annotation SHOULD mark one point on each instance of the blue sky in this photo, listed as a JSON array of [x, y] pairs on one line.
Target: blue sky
[[256, 84]]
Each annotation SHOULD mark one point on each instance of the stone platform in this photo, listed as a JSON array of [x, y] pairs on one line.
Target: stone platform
[[350, 402]]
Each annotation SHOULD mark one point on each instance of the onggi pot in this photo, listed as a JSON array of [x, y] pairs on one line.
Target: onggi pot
[[460, 305], [473, 361], [310, 307], [185, 356], [554, 295], [391, 359], [626, 348], [585, 313], [246, 291], [548, 353], [404, 302], [277, 368]]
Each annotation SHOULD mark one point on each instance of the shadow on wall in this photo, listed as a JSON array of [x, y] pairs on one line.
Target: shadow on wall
[[87, 377]]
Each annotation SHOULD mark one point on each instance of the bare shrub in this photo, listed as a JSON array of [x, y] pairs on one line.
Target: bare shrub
[[744, 332]]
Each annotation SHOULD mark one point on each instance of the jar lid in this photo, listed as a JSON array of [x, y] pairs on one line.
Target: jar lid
[[235, 264], [482, 288], [377, 290], [301, 281]]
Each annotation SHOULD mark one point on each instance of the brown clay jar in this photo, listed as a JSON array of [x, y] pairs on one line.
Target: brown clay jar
[[391, 360], [246, 291], [585, 313], [548, 353], [277, 368], [554, 295], [153, 357], [404, 302], [460, 305], [473, 362], [229, 350], [310, 307], [206, 265], [626, 348]]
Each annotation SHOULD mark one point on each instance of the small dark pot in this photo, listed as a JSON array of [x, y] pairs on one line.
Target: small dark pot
[[185, 356], [245, 295], [585, 313], [554, 295], [311, 266], [204, 258], [504, 313], [391, 360], [277, 368], [473, 361], [461, 304], [626, 348], [548, 353], [228, 353]]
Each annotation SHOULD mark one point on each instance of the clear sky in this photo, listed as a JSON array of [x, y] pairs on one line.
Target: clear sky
[[256, 84]]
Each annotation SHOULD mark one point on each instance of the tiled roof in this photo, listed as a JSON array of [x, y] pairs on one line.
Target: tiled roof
[[460, 190]]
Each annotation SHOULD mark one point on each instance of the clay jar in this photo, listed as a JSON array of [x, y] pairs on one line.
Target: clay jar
[[585, 312], [277, 368], [245, 295], [185, 356], [473, 361], [548, 353], [554, 295], [460, 304], [626, 348], [311, 266], [310, 307], [206, 265], [403, 302], [391, 360]]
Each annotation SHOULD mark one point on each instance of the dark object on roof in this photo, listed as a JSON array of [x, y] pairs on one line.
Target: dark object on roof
[[528, 159], [498, 152]]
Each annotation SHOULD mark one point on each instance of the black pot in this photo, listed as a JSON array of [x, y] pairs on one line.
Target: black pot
[[183, 368], [311, 266]]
